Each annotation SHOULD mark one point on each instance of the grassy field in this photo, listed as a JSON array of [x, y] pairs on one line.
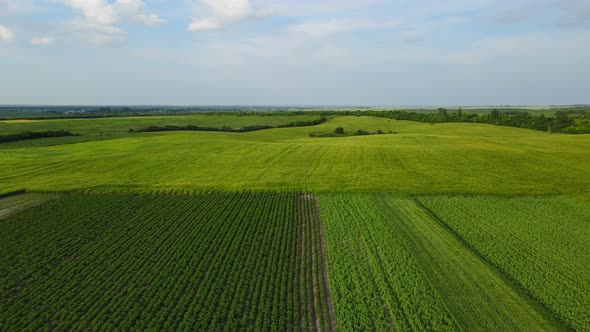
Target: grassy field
[[419, 158], [109, 128], [164, 262]]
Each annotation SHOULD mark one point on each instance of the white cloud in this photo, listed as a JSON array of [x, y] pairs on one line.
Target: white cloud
[[96, 11], [334, 26], [231, 10], [205, 24], [97, 33], [6, 34], [43, 41], [225, 12], [101, 18], [135, 10]]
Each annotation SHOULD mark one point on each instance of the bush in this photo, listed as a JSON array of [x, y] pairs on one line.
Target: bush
[[339, 131]]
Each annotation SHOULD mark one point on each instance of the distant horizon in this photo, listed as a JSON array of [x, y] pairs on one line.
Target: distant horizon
[[292, 106]]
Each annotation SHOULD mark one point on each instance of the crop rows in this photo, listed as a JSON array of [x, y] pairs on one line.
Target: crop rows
[[216, 261], [542, 244], [375, 281]]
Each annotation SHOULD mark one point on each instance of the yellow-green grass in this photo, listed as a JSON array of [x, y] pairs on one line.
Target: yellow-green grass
[[419, 158]]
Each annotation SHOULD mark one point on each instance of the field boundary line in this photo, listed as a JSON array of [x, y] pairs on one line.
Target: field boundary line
[[513, 283], [309, 243], [324, 265]]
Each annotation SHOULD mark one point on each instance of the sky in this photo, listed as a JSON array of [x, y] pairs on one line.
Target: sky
[[295, 52]]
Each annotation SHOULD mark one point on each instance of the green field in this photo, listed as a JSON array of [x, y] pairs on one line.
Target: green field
[[420, 158], [412, 274], [543, 244], [164, 262], [117, 127], [448, 226]]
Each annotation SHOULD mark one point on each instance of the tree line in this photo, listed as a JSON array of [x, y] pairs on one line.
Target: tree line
[[34, 134], [228, 129], [564, 121]]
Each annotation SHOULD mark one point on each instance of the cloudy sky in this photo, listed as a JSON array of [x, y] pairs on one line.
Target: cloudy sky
[[295, 52]]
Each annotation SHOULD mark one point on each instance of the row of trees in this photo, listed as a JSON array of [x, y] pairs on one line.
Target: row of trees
[[340, 132], [228, 129], [34, 134], [562, 121]]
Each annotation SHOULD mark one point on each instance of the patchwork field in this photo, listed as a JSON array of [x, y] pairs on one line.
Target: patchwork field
[[443, 227]]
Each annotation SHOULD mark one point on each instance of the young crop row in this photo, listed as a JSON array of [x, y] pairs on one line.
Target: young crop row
[[375, 281], [542, 244], [218, 261]]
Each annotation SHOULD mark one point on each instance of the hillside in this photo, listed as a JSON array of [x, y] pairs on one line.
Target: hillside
[[414, 158]]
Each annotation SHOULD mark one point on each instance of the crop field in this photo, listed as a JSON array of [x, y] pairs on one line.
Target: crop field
[[393, 267], [543, 244], [14, 204], [424, 227], [162, 262]]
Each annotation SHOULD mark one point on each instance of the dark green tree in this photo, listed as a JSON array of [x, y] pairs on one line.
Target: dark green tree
[[494, 116], [444, 116], [561, 121]]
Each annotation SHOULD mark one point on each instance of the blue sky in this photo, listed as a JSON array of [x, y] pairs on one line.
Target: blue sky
[[287, 52]]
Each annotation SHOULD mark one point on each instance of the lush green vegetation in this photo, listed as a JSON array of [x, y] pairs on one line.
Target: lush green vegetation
[[341, 132], [421, 158], [229, 129], [562, 121], [376, 283], [551, 118], [164, 262], [195, 222], [71, 112], [543, 244], [393, 267], [121, 125]]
